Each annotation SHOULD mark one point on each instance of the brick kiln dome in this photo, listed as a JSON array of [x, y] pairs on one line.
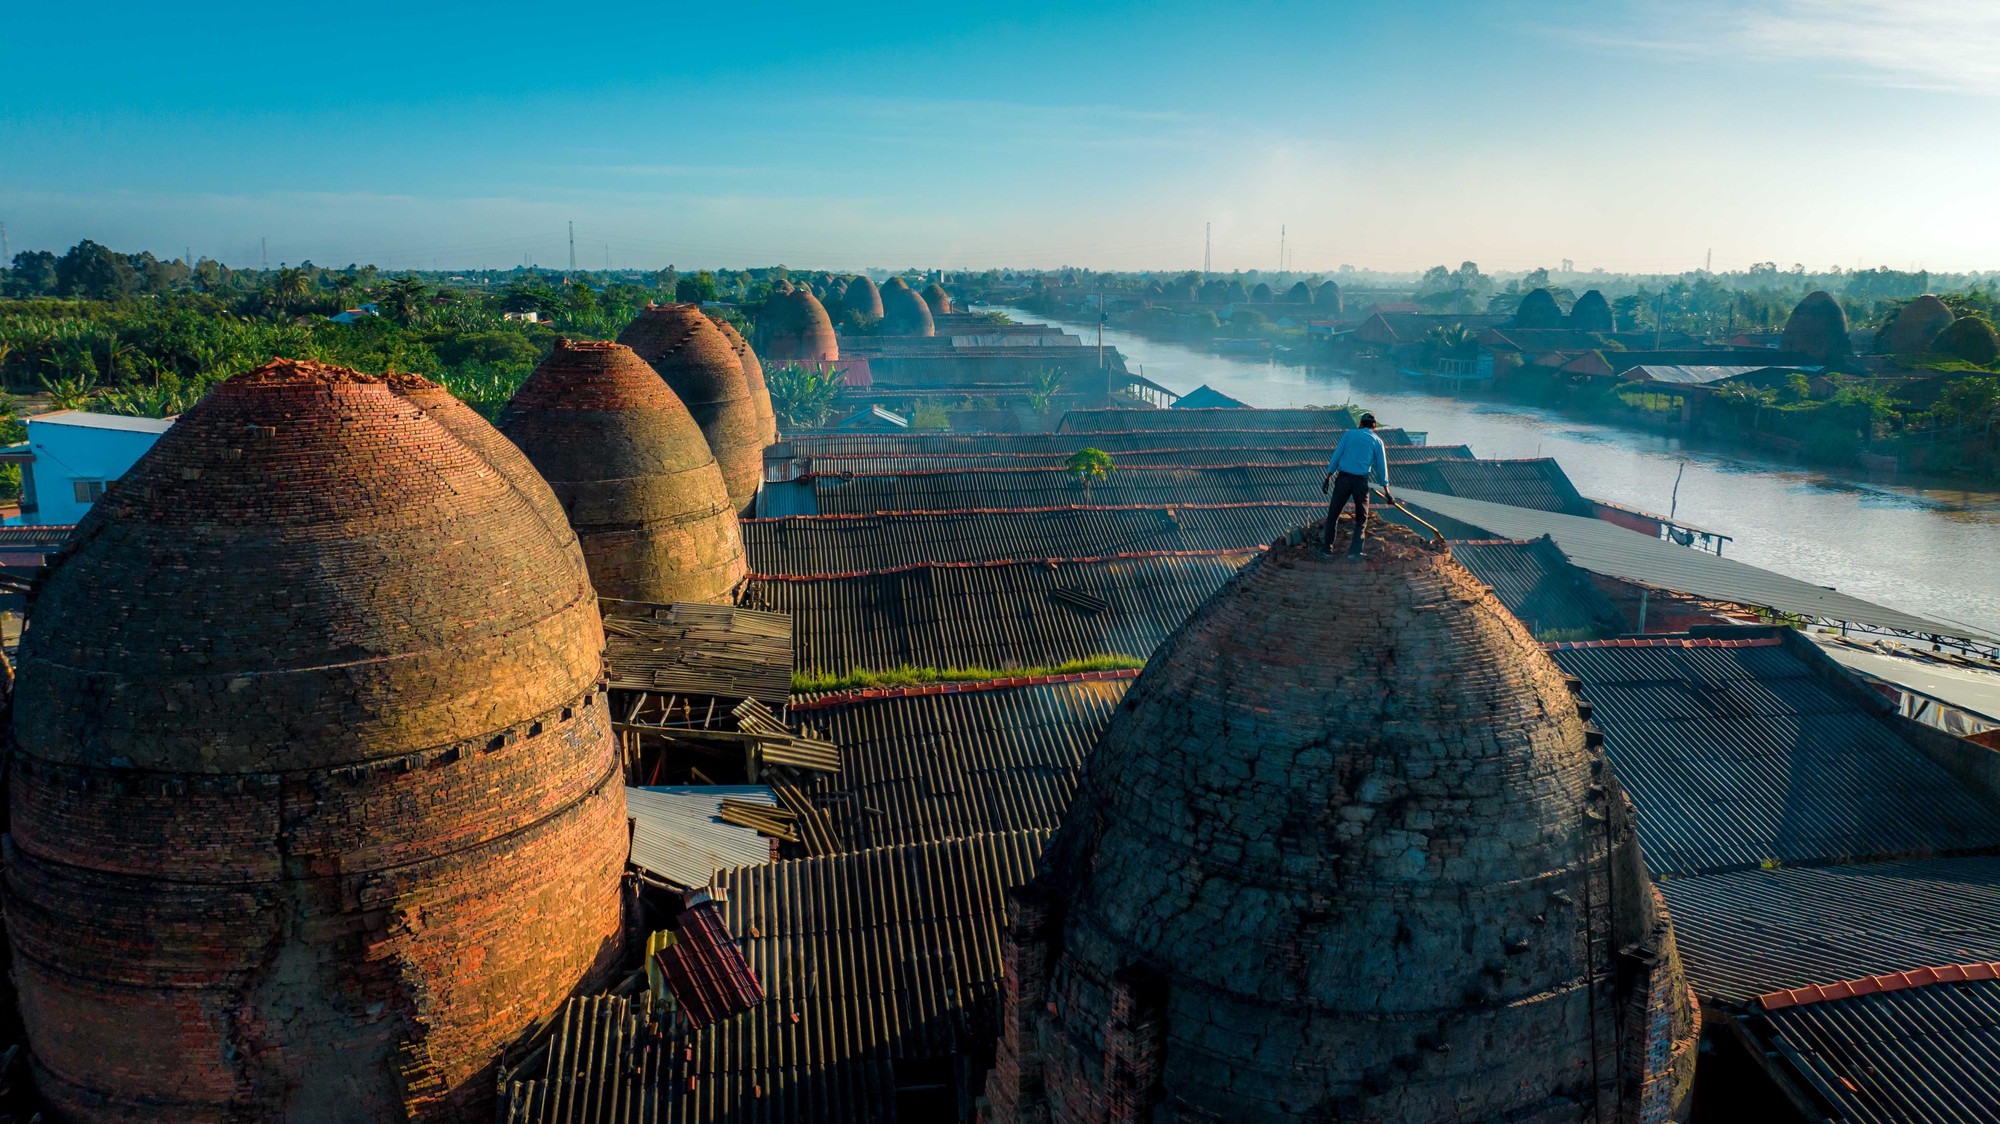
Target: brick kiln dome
[[753, 374], [794, 327], [863, 297], [633, 472], [1299, 293], [1327, 297], [904, 313], [1915, 326], [1342, 855], [695, 359], [1817, 329], [1538, 310], [315, 806], [936, 299], [1591, 313], [464, 423]]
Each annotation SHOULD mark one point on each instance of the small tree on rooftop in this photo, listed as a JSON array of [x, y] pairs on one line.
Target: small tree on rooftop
[[1089, 466], [801, 396], [1046, 382]]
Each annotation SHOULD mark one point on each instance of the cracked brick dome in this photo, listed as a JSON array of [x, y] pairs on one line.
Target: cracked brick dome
[[695, 359], [863, 297], [904, 313], [630, 467], [936, 299], [794, 327], [315, 806], [753, 374], [1916, 325], [1817, 329], [1344, 853]]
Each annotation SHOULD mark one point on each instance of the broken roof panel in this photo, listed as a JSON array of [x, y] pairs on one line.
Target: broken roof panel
[[842, 543], [1002, 615], [694, 649], [705, 969], [679, 835], [1738, 753]]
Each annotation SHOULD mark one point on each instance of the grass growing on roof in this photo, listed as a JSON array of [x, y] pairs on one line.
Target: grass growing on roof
[[810, 682]]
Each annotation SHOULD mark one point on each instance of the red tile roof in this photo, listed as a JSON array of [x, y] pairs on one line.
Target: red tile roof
[[1870, 985], [705, 969]]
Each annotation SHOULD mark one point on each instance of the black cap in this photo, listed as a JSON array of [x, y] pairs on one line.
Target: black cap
[[1368, 421]]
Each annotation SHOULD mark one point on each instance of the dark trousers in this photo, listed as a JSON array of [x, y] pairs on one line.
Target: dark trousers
[[1348, 485]]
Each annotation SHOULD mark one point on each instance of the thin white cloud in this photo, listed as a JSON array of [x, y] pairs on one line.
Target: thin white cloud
[[1932, 45]]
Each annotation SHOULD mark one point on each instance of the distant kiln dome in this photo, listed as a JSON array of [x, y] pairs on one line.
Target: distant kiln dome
[[1342, 855], [753, 375], [937, 299], [1328, 299], [634, 473], [1591, 313], [1262, 294], [1234, 293], [1538, 310], [1817, 329], [1299, 293], [794, 327], [695, 359], [904, 313], [863, 298], [1915, 326], [348, 724]]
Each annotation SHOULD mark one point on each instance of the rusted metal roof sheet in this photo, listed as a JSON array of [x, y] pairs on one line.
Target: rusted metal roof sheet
[[1910, 1056], [1741, 755], [1539, 585], [706, 970], [689, 649], [1746, 933], [924, 767], [999, 616], [881, 969], [837, 544]]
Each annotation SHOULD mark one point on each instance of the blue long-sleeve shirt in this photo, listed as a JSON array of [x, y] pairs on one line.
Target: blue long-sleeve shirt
[[1359, 452]]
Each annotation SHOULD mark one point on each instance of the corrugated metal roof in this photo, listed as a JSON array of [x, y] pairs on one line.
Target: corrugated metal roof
[[875, 964], [908, 444], [1540, 586], [678, 832], [1118, 420], [1539, 483], [999, 616], [1965, 685], [924, 768], [1916, 1056], [945, 491], [84, 419], [1736, 756], [1746, 933], [1290, 453], [841, 543], [1607, 548]]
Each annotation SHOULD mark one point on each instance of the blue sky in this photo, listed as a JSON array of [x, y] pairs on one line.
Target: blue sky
[[1633, 136]]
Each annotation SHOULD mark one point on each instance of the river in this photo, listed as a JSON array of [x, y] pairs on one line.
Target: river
[[1932, 551]]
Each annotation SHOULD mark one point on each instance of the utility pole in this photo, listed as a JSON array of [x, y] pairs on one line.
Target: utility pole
[[1281, 253], [189, 256], [6, 251], [572, 249], [264, 247], [1709, 265], [1207, 242]]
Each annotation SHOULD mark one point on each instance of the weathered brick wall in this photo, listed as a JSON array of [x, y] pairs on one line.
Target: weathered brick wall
[[753, 374], [633, 472], [314, 802], [704, 372], [1349, 820]]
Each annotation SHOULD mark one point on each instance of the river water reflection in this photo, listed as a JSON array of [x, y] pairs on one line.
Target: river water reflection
[[1926, 550]]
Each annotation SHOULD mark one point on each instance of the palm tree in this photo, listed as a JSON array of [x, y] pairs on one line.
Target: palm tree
[[405, 294], [288, 288]]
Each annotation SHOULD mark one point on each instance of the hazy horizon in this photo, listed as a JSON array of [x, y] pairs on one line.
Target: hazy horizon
[[1629, 136]]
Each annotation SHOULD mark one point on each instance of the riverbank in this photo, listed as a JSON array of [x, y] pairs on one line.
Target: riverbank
[[1926, 549]]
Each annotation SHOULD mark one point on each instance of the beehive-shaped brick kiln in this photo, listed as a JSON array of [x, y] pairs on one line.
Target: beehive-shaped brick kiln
[[695, 359], [631, 468], [862, 297], [936, 299], [1345, 853], [794, 327], [753, 374], [904, 313], [315, 803], [464, 423]]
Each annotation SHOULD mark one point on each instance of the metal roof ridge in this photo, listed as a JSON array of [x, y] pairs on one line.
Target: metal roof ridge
[[869, 694], [1663, 642], [1872, 985], [833, 515], [808, 476], [1008, 562]]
